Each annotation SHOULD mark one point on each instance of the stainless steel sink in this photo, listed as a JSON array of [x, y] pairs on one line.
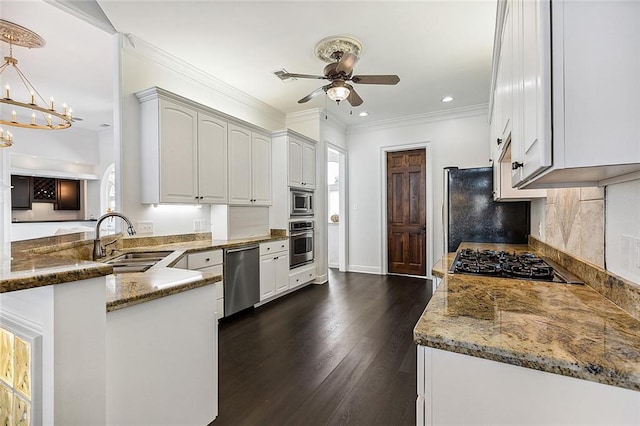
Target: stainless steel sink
[[136, 262]]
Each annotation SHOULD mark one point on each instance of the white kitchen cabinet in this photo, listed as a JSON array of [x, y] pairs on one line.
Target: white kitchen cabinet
[[494, 393], [212, 159], [274, 269], [582, 130], [210, 261], [161, 362], [302, 163], [302, 275], [249, 167], [502, 188], [183, 151]]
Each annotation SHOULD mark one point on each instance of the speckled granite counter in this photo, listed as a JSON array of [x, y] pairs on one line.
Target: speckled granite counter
[[29, 264], [565, 329], [162, 280]]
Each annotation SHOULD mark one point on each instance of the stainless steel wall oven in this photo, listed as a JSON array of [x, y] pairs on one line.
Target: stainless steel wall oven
[[300, 243]]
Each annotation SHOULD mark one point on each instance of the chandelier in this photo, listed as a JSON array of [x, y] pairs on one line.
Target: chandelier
[[43, 114]]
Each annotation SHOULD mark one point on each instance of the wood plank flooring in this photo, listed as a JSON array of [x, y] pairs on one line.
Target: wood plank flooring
[[338, 353]]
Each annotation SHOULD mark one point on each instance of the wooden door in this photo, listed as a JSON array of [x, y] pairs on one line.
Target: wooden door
[[406, 220]]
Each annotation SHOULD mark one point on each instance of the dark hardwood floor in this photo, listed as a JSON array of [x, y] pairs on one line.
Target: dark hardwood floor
[[339, 353]]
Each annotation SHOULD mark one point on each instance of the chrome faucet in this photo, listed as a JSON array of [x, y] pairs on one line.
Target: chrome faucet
[[99, 251]]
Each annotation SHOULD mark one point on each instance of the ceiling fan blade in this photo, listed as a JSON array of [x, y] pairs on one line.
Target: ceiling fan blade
[[285, 75], [314, 94], [375, 79], [346, 63], [354, 99]]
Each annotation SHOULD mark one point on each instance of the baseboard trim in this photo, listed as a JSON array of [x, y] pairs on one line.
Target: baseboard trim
[[364, 269]]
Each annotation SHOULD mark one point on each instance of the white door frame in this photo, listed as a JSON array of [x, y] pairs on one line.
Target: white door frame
[[428, 200], [343, 213]]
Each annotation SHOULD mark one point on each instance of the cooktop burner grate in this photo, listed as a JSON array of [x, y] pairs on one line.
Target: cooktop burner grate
[[504, 264]]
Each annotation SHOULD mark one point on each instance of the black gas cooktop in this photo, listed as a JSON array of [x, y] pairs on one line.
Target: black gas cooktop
[[504, 264]]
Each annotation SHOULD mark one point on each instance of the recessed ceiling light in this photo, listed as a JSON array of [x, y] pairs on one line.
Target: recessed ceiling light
[[447, 99], [363, 114]]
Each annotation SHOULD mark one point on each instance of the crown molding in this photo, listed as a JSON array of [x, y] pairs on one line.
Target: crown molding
[[414, 120], [143, 49]]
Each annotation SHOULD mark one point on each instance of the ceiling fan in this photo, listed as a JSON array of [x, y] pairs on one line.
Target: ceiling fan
[[339, 72]]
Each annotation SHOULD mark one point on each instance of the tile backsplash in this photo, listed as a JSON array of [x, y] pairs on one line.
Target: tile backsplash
[[575, 222]]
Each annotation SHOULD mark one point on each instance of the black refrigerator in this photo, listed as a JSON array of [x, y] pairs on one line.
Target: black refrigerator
[[471, 215]]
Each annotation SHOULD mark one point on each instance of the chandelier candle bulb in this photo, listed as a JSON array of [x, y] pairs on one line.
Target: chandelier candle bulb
[[49, 120], [33, 98], [8, 92], [52, 108], [13, 116], [33, 118], [64, 106]]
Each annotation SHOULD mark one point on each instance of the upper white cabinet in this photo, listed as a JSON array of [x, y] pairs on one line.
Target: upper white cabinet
[[575, 98], [183, 152], [302, 163], [194, 154], [212, 159], [249, 167]]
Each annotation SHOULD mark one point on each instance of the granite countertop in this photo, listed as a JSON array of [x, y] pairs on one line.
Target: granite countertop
[[565, 329], [27, 265]]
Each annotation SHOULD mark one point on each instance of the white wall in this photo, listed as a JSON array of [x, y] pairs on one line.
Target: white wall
[[460, 139], [622, 230], [143, 66]]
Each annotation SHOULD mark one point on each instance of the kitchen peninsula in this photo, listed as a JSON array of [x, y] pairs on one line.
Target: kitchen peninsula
[[519, 351], [148, 341]]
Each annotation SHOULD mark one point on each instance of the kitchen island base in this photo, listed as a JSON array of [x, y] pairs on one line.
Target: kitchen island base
[[459, 389], [162, 362]]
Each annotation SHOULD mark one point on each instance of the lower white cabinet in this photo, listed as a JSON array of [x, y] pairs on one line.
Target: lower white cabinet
[[274, 269], [302, 275], [210, 261], [460, 389], [161, 362]]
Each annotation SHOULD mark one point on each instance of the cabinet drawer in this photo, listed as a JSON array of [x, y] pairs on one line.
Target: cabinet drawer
[[273, 247], [204, 259], [301, 276]]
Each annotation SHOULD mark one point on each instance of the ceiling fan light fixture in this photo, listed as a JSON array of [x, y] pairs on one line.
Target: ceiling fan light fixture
[[338, 93]]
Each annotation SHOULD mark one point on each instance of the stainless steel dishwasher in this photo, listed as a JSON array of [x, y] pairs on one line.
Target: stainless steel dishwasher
[[241, 278]]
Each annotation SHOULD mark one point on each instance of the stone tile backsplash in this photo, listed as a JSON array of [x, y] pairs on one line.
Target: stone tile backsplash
[[574, 222]]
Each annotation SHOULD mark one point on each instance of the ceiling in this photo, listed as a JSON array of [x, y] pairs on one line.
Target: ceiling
[[438, 48]]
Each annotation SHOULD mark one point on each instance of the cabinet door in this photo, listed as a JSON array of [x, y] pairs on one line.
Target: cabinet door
[[295, 163], [281, 271], [261, 169], [308, 166], [212, 159], [239, 148], [178, 153], [535, 148], [68, 194], [21, 192], [505, 70], [267, 277]]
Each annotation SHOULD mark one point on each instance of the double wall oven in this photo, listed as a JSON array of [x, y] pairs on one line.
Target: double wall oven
[[301, 233]]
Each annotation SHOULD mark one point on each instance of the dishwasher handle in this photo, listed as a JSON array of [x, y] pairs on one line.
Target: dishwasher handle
[[244, 248]]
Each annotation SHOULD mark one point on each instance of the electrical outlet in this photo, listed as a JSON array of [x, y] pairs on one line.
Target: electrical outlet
[[144, 227], [200, 225]]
